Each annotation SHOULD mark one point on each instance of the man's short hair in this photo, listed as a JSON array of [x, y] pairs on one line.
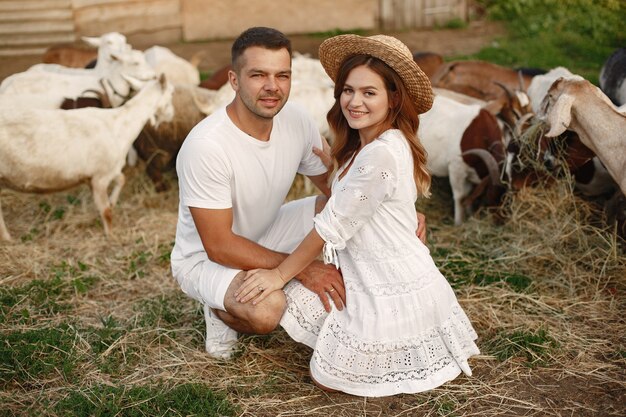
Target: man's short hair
[[258, 36]]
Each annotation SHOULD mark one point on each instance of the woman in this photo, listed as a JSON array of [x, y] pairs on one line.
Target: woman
[[402, 330]]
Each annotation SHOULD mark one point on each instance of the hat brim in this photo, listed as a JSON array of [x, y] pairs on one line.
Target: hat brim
[[334, 51]]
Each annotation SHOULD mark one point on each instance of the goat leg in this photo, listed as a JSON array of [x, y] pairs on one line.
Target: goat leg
[[119, 180], [101, 199], [468, 202], [4, 232]]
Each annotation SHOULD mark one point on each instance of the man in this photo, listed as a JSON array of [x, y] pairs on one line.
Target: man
[[235, 169]]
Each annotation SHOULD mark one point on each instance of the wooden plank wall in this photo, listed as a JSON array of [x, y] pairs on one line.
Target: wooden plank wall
[[30, 26], [210, 19], [142, 21], [415, 14]]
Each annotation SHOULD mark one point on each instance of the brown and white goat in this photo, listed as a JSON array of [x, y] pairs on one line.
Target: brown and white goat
[[217, 79], [479, 79], [429, 62], [464, 142]]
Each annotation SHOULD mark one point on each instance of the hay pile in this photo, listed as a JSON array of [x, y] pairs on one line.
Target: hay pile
[[545, 291]]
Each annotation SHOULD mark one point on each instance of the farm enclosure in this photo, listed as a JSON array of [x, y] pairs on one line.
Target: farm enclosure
[[94, 324]]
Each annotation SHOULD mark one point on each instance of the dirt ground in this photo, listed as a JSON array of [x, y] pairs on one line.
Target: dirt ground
[[447, 42]]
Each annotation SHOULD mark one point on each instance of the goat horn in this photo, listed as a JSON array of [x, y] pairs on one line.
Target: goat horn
[[506, 89], [489, 161], [521, 80], [520, 122]]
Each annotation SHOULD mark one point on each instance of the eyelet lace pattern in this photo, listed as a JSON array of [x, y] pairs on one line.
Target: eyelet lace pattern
[[402, 329]]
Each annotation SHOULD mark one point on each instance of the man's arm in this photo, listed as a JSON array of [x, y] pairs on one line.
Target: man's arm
[[229, 249], [321, 182]]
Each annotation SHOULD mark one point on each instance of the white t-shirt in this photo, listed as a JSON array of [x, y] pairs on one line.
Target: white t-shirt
[[221, 167]]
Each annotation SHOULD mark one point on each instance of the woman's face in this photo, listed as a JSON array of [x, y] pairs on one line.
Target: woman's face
[[364, 102]]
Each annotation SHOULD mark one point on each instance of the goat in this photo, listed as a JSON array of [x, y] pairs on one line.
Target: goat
[[55, 87], [579, 106], [478, 79], [613, 77], [217, 79], [590, 176], [107, 44], [176, 69], [429, 62], [89, 145], [464, 142], [158, 146], [70, 55], [100, 100], [540, 85]]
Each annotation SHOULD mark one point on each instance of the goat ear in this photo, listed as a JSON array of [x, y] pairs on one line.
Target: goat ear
[[93, 41], [495, 106], [560, 115], [114, 56], [134, 83], [203, 99]]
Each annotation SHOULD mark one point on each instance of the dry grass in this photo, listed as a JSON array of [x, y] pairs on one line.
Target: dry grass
[[548, 275]]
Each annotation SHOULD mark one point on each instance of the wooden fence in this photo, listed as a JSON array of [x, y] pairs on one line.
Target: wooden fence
[[415, 14], [30, 26]]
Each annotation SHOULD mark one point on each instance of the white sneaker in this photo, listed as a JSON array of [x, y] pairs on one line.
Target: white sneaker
[[220, 339]]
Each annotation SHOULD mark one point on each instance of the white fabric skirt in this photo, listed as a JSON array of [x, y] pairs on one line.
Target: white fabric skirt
[[389, 343]]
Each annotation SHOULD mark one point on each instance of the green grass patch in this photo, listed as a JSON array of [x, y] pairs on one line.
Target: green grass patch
[[576, 34], [140, 401], [469, 267], [160, 311], [110, 353], [535, 346], [455, 23], [47, 297], [28, 356]]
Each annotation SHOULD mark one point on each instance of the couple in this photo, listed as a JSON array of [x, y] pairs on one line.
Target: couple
[[380, 317]]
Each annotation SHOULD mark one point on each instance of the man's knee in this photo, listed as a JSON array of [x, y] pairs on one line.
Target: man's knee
[[265, 316], [257, 319]]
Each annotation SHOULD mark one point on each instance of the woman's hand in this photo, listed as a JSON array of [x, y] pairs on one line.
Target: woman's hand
[[324, 154], [258, 284]]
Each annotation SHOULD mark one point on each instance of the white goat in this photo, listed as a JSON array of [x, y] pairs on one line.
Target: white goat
[[540, 85], [52, 150], [56, 87], [579, 106], [176, 69], [107, 44]]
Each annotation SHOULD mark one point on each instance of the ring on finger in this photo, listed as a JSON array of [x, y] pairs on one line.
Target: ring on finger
[[260, 288], [331, 290]]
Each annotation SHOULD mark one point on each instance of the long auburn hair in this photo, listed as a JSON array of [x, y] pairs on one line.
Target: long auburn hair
[[403, 115]]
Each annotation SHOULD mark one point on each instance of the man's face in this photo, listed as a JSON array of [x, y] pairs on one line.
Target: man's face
[[263, 80]]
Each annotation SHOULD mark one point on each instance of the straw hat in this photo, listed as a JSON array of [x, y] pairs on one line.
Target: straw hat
[[391, 51]]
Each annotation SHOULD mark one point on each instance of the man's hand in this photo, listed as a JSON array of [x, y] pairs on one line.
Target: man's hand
[[421, 227], [325, 281]]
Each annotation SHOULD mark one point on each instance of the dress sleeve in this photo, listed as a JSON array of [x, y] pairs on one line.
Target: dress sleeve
[[370, 180]]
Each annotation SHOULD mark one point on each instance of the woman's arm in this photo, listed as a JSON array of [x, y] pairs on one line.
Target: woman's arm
[[261, 282]]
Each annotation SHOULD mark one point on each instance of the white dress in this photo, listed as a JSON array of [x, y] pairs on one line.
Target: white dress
[[403, 330]]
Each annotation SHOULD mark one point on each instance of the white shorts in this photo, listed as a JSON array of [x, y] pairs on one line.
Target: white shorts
[[208, 281]]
